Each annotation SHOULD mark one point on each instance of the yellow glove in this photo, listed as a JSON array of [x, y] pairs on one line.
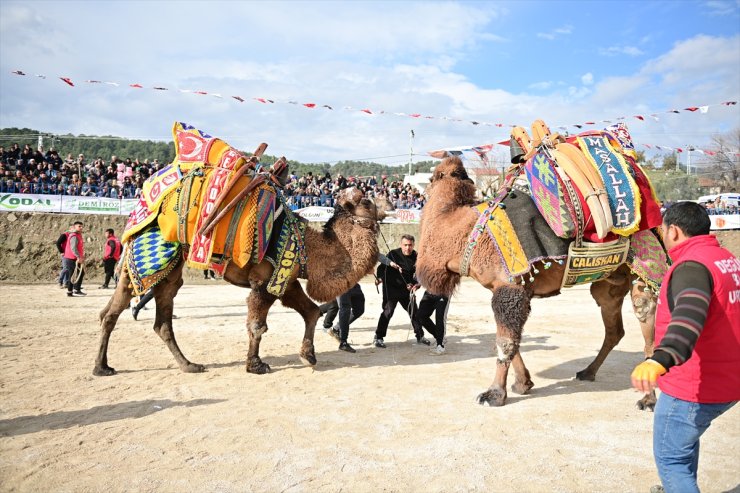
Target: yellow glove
[[646, 374]]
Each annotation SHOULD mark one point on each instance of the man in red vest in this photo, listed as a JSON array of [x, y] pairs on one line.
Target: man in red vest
[[696, 363], [111, 254], [74, 260]]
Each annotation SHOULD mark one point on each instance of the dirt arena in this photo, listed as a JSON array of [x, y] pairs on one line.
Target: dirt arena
[[395, 419]]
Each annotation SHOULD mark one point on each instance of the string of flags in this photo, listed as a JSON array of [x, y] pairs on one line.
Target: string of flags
[[310, 105], [483, 149]]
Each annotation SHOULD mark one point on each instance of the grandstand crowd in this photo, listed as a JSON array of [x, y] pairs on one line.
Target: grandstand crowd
[[35, 171]]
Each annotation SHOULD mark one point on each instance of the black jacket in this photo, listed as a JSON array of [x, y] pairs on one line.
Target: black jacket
[[395, 282]]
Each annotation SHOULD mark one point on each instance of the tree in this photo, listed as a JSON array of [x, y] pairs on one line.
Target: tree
[[670, 162], [724, 163]]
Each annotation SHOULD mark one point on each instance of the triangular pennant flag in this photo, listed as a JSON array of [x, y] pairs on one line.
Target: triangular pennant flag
[[327, 107], [640, 117], [367, 111], [238, 98], [18, 72], [160, 88], [136, 86], [309, 105], [729, 103], [68, 81], [704, 109], [94, 81], [691, 108]]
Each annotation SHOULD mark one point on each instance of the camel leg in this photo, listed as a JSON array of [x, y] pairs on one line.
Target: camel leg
[[164, 296], [609, 295], [296, 299], [108, 318], [644, 305], [259, 302], [511, 307]]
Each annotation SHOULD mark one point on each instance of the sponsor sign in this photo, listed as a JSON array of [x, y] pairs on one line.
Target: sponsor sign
[[726, 221], [24, 202], [90, 205], [316, 214], [593, 261]]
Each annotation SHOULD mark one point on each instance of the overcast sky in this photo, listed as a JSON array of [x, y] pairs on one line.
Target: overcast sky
[[490, 62]]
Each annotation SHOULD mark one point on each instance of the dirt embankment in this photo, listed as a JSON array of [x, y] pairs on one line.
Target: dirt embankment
[[28, 253]]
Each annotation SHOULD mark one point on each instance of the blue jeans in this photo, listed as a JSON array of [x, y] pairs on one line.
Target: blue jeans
[[677, 427]]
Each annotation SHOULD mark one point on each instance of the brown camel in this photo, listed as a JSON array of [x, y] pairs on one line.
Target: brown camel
[[446, 223], [337, 257]]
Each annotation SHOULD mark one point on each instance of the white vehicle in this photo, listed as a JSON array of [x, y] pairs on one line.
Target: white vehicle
[[725, 199]]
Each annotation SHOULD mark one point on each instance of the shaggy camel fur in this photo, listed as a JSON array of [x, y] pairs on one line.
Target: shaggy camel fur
[[337, 258], [446, 223]]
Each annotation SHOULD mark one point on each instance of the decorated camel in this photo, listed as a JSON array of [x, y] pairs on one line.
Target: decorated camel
[[509, 247], [249, 234]]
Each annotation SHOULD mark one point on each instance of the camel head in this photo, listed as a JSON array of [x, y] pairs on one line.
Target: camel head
[[451, 183], [364, 211]]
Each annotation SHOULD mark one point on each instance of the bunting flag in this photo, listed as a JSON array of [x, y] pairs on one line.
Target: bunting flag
[[702, 109]]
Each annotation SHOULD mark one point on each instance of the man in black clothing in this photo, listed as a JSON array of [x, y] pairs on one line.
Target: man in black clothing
[[434, 303], [398, 286]]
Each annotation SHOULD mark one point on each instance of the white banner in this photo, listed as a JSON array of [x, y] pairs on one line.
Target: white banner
[[24, 202], [404, 216], [315, 213], [725, 221], [70, 204]]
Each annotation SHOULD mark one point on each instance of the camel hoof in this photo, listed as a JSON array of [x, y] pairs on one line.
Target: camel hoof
[[103, 371], [492, 397], [308, 359], [193, 368], [647, 403], [586, 376], [258, 368], [522, 388]]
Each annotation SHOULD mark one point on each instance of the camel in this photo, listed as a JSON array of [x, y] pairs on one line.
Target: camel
[[338, 256], [445, 225]]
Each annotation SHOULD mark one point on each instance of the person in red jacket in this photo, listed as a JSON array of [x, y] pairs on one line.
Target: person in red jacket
[[74, 260], [696, 363], [111, 254]]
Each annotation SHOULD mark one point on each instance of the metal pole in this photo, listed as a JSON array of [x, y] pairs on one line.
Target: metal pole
[[411, 150], [688, 160]]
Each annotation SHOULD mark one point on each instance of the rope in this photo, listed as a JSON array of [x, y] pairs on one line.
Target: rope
[[77, 273]]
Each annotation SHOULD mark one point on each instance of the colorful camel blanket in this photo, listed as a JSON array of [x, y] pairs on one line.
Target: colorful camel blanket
[[521, 235], [551, 196], [202, 168], [621, 189], [150, 258], [648, 258]]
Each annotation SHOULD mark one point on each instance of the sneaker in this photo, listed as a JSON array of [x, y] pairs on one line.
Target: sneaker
[[134, 312], [69, 293], [423, 340], [379, 342], [80, 293], [346, 347], [334, 332], [437, 350]]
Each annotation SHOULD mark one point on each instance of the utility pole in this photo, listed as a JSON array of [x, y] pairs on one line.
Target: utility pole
[[411, 150], [688, 160]]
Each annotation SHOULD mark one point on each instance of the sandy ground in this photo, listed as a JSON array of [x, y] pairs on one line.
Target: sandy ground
[[395, 419]]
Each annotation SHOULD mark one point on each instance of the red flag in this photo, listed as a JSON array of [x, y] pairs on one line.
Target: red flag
[[711, 153], [202, 93], [367, 111], [414, 115], [238, 98], [678, 149], [67, 80], [640, 117], [309, 105], [590, 123], [261, 100], [691, 108], [137, 86]]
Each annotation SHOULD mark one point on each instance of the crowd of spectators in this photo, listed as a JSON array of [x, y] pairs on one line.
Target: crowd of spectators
[[25, 170], [308, 190]]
